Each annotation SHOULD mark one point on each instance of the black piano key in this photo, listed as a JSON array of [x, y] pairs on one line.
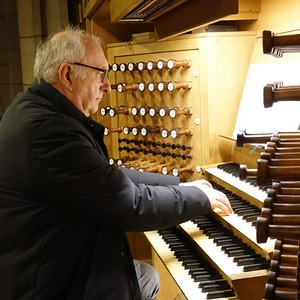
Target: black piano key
[[204, 277], [250, 210], [251, 260], [173, 247], [200, 273], [209, 282], [257, 266], [246, 256], [232, 245], [236, 253], [199, 268], [216, 287], [228, 249], [227, 241], [220, 294], [219, 233], [196, 266], [243, 210], [251, 219]]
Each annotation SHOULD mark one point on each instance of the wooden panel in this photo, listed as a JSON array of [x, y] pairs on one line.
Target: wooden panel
[[119, 9], [199, 12], [92, 6], [217, 74], [182, 17], [168, 287]]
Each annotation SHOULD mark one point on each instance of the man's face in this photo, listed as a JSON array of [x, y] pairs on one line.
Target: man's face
[[89, 91]]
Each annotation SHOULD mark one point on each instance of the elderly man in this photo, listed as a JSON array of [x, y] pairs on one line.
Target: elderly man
[[64, 209]]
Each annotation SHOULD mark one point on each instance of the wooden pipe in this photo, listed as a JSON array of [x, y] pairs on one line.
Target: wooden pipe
[[271, 293], [262, 138], [281, 198], [282, 208], [285, 259], [286, 190], [280, 270], [284, 183], [280, 219], [283, 282], [264, 230], [287, 246], [280, 161], [282, 149], [282, 155], [276, 45], [265, 172], [280, 142], [272, 95]]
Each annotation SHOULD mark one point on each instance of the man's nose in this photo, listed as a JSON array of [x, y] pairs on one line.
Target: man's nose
[[106, 86]]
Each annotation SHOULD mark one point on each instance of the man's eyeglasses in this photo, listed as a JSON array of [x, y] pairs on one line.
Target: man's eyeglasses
[[105, 72]]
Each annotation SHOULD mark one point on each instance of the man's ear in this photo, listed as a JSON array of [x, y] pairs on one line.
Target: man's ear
[[64, 72]]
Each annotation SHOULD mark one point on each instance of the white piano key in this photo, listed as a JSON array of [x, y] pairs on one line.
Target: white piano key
[[189, 287], [244, 187]]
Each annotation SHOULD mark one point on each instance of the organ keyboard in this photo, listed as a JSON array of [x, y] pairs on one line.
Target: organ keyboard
[[227, 243]]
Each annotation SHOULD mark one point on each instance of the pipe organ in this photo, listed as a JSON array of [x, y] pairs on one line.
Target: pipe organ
[[170, 105]]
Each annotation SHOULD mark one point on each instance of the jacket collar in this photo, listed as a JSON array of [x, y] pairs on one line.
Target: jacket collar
[[46, 90]]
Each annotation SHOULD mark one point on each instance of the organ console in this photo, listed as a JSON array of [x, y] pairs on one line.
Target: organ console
[[176, 133]]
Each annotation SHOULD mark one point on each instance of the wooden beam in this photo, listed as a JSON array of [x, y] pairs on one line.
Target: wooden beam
[[196, 13], [91, 7], [119, 9]]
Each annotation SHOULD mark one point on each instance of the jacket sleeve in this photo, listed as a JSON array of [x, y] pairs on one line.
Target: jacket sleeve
[[67, 171], [150, 178]]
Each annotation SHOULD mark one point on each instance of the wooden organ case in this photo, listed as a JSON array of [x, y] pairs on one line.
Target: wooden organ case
[[170, 102]]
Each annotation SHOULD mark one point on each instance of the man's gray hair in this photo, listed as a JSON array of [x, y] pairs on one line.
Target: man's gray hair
[[67, 45]]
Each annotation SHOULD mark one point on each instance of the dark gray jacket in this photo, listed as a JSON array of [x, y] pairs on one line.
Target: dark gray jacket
[[64, 209]]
